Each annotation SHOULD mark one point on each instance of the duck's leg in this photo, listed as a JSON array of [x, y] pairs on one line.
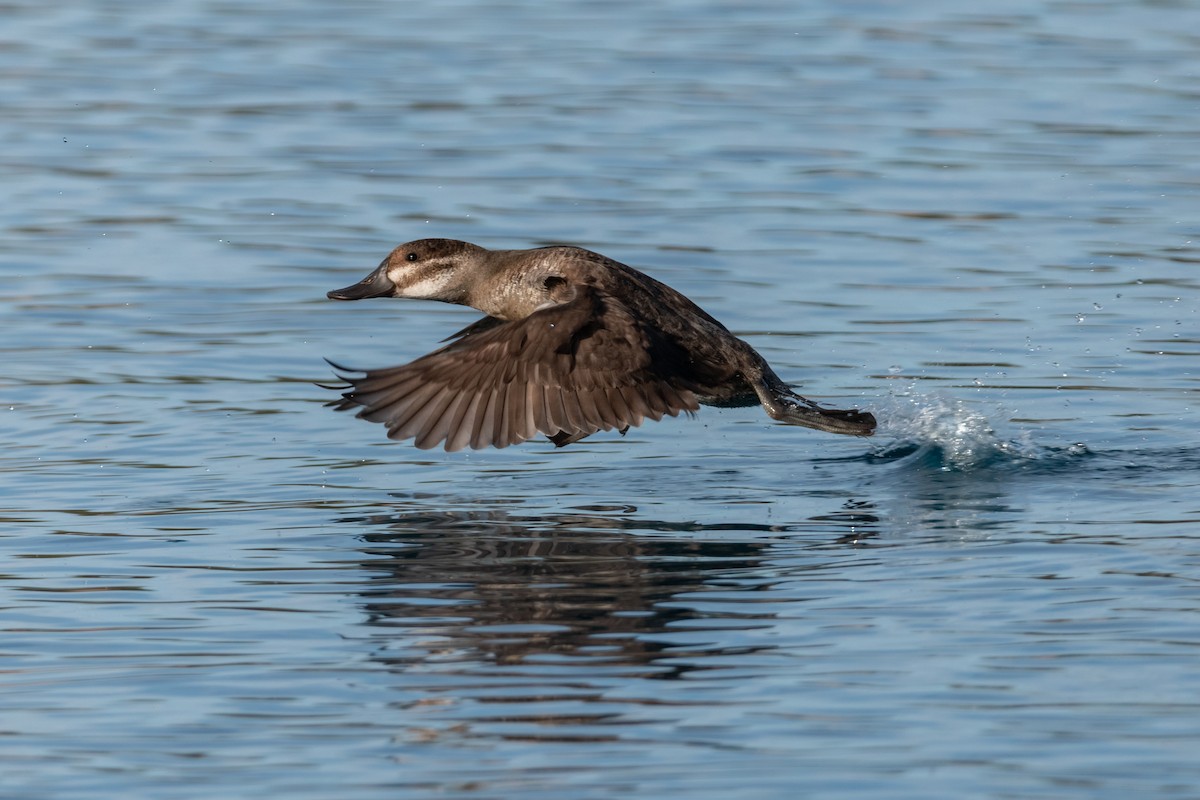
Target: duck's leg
[[782, 404], [562, 438]]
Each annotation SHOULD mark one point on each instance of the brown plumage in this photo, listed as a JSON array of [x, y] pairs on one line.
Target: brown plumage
[[572, 343]]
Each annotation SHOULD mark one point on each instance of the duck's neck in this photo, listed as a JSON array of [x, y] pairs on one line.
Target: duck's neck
[[507, 289]]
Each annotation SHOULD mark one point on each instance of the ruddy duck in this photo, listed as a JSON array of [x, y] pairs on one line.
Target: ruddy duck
[[572, 343]]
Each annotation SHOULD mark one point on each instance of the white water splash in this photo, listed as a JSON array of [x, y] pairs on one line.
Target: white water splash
[[963, 436]]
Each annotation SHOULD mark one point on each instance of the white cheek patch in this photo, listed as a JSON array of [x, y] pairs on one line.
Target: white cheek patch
[[427, 287]]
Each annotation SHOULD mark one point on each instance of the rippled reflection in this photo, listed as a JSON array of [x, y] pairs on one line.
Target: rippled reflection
[[563, 589]]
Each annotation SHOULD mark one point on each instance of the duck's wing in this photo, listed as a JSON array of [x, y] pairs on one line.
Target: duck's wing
[[566, 371], [478, 326]]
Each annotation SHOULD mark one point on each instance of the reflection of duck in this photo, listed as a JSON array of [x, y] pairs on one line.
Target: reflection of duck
[[510, 590], [573, 343], [495, 587]]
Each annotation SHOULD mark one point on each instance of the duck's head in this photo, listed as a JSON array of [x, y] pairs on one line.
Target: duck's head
[[427, 269]]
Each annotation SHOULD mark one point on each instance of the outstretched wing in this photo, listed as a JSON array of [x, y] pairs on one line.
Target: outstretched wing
[[566, 371]]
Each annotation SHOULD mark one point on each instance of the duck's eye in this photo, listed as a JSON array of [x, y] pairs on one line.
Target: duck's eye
[[411, 256]]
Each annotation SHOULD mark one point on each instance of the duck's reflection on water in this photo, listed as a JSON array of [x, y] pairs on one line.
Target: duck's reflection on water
[[603, 588]]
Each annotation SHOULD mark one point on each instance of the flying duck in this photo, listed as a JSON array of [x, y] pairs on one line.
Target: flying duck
[[571, 343]]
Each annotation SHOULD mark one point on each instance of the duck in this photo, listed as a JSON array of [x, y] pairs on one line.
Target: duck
[[571, 343]]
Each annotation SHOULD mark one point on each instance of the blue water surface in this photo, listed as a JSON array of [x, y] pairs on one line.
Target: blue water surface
[[979, 222]]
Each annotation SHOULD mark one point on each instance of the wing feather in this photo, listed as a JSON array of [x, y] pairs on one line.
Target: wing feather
[[481, 435], [566, 371], [434, 432], [462, 427]]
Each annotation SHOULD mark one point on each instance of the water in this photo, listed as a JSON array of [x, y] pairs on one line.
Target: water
[[979, 223]]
